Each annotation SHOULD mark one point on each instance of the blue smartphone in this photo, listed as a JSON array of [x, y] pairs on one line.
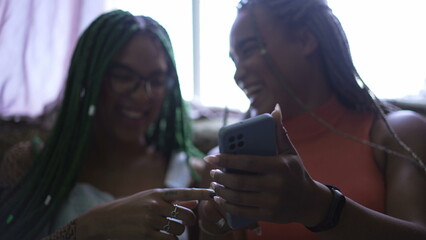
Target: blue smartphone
[[253, 136]]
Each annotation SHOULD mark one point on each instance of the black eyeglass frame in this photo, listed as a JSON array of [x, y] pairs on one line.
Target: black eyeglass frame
[[167, 79]]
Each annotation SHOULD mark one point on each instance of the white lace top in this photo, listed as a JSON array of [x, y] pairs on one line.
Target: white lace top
[[84, 196]]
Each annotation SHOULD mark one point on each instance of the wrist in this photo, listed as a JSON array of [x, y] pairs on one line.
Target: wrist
[[318, 206], [85, 229], [332, 214], [82, 229]]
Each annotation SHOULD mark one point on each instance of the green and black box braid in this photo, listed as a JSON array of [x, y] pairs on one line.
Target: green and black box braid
[[27, 209]]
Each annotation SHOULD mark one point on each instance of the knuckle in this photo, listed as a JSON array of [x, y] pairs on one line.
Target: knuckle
[[238, 198], [154, 203], [240, 183], [153, 206]]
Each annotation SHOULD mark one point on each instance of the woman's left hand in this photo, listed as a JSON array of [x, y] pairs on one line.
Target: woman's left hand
[[279, 190]]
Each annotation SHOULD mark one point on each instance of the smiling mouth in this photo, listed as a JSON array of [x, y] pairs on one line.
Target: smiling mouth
[[253, 90], [132, 114]]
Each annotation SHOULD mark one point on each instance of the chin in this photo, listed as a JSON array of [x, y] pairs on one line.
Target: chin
[[128, 139], [130, 136], [261, 108]]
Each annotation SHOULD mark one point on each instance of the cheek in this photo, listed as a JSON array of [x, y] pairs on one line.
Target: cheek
[[105, 104], [264, 72], [159, 101], [104, 116], [253, 67]]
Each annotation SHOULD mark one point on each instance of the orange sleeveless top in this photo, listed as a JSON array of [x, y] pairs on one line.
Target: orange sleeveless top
[[332, 159]]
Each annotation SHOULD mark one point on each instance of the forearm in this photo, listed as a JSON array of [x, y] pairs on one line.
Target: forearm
[[80, 228], [359, 222]]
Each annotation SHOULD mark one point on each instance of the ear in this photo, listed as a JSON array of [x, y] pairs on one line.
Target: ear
[[308, 40]]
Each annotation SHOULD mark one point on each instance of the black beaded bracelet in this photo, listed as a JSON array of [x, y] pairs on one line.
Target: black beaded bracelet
[[335, 210]]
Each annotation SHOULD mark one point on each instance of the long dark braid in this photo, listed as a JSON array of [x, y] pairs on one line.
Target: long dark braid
[[341, 73], [28, 207], [315, 14]]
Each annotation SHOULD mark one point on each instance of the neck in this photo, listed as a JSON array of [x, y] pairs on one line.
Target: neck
[[112, 152], [292, 108], [316, 94]]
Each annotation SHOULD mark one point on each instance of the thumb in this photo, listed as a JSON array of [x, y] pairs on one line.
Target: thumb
[[284, 144], [188, 204]]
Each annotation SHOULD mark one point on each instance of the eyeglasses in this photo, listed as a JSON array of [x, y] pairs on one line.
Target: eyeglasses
[[124, 80]]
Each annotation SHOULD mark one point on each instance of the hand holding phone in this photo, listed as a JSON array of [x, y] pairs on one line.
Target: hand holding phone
[[253, 136]]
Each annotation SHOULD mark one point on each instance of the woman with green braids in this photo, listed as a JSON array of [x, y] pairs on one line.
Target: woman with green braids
[[120, 141]]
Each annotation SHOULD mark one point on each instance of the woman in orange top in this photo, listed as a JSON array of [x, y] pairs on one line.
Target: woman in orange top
[[294, 53]]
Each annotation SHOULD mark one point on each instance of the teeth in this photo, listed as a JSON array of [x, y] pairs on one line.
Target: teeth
[[131, 114], [253, 89]]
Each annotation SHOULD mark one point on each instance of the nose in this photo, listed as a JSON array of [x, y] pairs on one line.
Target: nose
[[239, 76], [142, 91]]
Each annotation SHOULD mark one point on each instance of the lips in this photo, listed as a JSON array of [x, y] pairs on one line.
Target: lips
[[252, 90], [132, 114], [133, 117]]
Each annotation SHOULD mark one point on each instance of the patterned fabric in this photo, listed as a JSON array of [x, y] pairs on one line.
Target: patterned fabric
[[68, 232], [83, 196], [15, 164]]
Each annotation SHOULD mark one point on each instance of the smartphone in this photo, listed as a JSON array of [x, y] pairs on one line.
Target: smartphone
[[253, 136]]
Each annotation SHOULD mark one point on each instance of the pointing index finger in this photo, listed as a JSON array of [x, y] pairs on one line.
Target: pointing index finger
[[246, 163], [186, 194]]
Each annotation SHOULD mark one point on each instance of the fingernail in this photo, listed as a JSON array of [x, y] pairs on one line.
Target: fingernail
[[212, 185], [212, 173], [216, 199], [211, 159], [277, 107]]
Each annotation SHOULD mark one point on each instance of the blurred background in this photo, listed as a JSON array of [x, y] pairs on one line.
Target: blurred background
[[37, 38]]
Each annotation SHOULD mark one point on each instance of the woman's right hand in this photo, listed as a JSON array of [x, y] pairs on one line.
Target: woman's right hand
[[151, 214]]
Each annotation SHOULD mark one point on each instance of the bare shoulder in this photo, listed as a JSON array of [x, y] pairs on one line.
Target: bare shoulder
[[408, 123], [16, 162], [409, 126], [405, 179]]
